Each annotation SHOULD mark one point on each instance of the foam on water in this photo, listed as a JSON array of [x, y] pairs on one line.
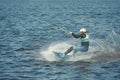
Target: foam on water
[[60, 47], [100, 50], [110, 49]]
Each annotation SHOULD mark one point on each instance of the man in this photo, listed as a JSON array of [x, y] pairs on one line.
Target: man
[[84, 38]]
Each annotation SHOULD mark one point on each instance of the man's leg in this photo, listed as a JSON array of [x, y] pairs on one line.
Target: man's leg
[[76, 48], [69, 50], [80, 48]]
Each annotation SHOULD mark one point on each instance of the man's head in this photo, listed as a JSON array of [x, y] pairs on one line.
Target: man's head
[[83, 30]]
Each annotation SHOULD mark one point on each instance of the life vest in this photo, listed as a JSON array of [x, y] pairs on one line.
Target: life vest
[[86, 39]]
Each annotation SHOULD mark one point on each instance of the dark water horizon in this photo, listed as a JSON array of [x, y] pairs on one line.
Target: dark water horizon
[[28, 37]]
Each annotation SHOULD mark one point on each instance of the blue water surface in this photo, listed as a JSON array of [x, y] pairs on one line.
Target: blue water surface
[[26, 29]]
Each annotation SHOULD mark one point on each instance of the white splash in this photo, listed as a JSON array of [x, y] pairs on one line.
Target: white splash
[[59, 47], [100, 50]]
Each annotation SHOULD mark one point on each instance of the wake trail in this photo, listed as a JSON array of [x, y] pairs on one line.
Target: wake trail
[[100, 50]]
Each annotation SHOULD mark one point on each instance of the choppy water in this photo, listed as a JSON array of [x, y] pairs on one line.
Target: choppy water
[[27, 39]]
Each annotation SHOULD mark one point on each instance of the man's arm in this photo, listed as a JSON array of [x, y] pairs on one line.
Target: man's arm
[[76, 35]]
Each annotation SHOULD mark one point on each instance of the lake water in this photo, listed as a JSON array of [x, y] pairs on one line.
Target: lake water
[[31, 29]]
